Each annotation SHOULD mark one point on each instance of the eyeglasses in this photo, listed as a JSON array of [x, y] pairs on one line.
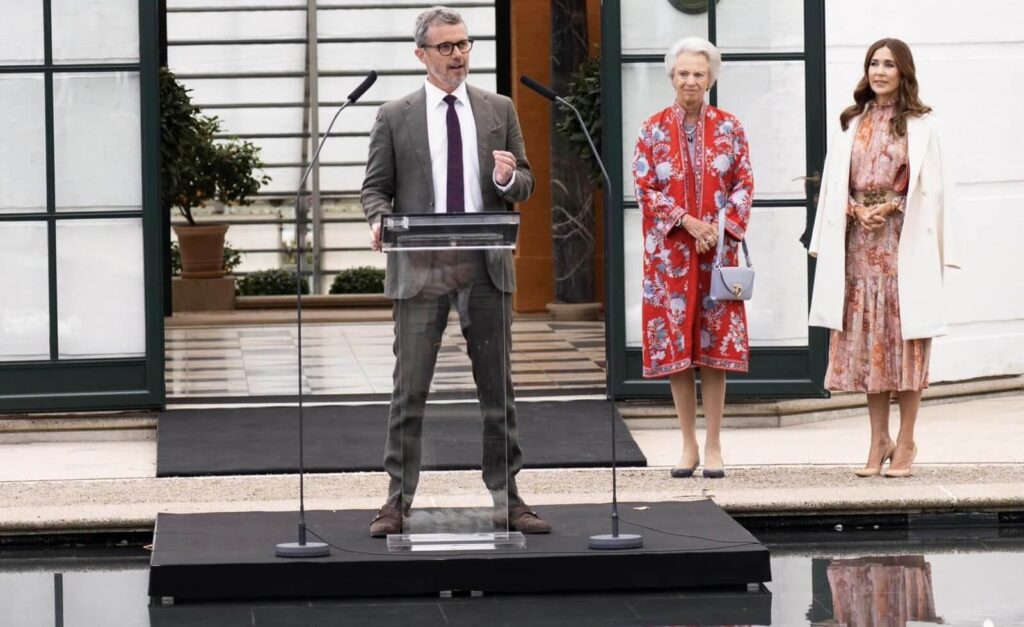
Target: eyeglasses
[[447, 48]]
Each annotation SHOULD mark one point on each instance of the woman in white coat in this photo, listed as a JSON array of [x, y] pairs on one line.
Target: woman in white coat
[[883, 240]]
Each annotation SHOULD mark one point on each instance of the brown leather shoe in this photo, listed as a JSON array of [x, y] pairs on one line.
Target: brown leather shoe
[[388, 520], [525, 520]]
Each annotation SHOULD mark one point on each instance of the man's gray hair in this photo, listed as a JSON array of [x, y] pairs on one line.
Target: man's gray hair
[[697, 45], [434, 15]]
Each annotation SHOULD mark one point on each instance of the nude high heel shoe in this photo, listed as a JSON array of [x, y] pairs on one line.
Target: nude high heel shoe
[[871, 471], [901, 473]]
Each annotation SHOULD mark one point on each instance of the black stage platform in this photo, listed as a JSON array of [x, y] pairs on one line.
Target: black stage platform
[[687, 545]]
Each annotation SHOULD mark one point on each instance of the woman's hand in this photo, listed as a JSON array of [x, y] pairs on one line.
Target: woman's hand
[[705, 235], [873, 217]]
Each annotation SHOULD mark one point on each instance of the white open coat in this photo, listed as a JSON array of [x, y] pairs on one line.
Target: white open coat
[[927, 245]]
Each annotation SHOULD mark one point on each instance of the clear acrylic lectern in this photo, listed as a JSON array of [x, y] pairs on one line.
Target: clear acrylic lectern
[[446, 262]]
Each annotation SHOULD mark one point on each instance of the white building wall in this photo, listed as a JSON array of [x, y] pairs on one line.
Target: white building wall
[[970, 62]]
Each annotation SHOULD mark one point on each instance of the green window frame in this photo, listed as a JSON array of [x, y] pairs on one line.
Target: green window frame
[[57, 384]]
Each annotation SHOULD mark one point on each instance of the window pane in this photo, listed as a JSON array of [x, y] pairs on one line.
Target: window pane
[[22, 144], [21, 32], [768, 99], [655, 27], [24, 284], [759, 26], [777, 314], [646, 89], [95, 31], [100, 289], [97, 142], [633, 263]]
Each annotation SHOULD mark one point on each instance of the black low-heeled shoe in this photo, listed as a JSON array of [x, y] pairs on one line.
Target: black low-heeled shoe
[[714, 473], [684, 473]]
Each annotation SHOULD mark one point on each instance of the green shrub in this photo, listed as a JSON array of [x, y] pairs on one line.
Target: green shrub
[[232, 258], [361, 280], [268, 283]]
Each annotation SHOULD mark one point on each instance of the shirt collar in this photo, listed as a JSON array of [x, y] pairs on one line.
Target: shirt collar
[[435, 95]]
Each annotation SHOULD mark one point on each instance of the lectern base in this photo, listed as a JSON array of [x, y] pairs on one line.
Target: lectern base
[[456, 541]]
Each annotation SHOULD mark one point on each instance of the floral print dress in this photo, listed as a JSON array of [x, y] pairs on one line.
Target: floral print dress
[[869, 354], [680, 329]]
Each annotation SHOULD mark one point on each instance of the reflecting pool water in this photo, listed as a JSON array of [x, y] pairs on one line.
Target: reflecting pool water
[[973, 577]]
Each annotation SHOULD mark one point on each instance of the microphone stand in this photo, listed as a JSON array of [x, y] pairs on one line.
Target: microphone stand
[[614, 540], [303, 548]]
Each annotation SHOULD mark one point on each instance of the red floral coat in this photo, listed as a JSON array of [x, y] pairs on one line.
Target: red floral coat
[[680, 329]]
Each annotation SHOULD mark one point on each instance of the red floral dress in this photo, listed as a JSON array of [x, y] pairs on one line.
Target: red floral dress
[[681, 330]]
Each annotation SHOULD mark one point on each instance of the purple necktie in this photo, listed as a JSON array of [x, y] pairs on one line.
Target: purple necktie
[[456, 194]]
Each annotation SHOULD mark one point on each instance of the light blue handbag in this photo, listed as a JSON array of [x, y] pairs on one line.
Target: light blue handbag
[[730, 282]]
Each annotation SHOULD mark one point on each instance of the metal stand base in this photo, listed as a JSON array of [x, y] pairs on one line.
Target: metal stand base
[[309, 549], [608, 542], [456, 541]]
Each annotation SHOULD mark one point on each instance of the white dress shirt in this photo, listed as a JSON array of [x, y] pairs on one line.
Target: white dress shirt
[[437, 137]]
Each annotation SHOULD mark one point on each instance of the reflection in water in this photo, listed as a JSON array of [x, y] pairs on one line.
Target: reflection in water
[[872, 591]]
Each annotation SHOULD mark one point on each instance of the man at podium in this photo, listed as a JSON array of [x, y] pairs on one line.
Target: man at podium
[[448, 147]]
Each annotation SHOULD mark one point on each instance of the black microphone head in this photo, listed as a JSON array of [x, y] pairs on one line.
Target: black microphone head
[[543, 90], [368, 82]]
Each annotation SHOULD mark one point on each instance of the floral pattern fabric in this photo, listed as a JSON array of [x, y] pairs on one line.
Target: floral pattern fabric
[[869, 354], [680, 328]]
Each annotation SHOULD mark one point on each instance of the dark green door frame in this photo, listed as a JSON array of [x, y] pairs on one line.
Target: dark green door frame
[[775, 372], [98, 384]]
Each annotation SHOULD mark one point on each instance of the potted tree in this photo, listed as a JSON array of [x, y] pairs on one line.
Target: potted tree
[[196, 168], [576, 183]]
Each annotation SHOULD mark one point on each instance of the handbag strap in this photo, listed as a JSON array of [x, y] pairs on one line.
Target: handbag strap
[[721, 239]]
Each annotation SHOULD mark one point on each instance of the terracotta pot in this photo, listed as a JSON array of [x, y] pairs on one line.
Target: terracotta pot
[[574, 311], [202, 250]]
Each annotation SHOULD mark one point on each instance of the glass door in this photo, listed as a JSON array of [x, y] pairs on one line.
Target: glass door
[[772, 79]]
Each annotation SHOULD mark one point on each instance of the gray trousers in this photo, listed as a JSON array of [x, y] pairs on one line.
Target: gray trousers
[[457, 279]]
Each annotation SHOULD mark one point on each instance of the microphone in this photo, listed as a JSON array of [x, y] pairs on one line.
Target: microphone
[[543, 90], [368, 82], [303, 549], [550, 94]]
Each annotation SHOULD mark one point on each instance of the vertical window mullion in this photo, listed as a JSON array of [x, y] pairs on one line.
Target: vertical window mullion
[[713, 38], [51, 187]]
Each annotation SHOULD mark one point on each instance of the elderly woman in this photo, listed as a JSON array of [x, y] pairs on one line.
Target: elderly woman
[[692, 166], [883, 240]]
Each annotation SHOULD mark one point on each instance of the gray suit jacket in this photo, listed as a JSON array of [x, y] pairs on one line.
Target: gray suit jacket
[[399, 180]]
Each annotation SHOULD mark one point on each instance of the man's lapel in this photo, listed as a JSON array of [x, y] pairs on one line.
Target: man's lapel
[[416, 123], [486, 127]]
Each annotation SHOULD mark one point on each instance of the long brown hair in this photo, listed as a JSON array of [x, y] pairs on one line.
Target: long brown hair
[[907, 101]]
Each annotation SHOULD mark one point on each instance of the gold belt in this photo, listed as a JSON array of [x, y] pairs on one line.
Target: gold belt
[[875, 196]]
